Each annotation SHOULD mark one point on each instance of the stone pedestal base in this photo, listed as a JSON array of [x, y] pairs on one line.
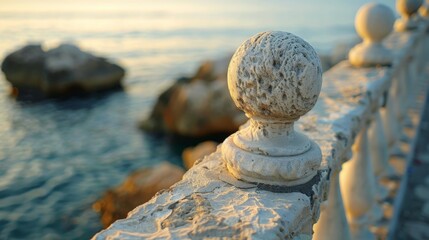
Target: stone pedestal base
[[273, 170]]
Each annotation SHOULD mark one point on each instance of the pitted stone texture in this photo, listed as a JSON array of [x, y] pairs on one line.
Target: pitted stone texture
[[275, 75], [373, 23], [275, 78], [202, 206]]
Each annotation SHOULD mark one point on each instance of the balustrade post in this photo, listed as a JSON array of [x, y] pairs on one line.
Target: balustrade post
[[405, 79], [391, 124], [332, 224], [379, 153], [362, 190], [358, 195], [275, 78], [373, 23]]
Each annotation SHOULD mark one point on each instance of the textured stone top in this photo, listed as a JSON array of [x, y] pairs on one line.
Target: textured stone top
[[205, 205], [275, 75]]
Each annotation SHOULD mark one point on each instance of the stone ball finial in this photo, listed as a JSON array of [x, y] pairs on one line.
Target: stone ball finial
[[408, 10], [424, 9], [275, 78], [373, 23], [275, 75]]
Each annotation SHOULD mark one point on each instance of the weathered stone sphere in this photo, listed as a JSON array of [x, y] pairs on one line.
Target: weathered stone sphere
[[408, 7], [374, 21], [276, 76], [424, 9]]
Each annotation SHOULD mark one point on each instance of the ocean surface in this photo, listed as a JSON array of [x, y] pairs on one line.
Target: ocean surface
[[59, 156]]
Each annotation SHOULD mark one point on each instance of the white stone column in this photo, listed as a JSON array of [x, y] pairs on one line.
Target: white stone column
[[373, 23], [409, 18], [275, 78], [404, 78], [332, 224], [361, 190], [391, 125], [358, 195], [379, 153]]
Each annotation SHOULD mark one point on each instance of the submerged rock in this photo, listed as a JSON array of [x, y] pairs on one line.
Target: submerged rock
[[138, 188], [60, 71], [198, 106]]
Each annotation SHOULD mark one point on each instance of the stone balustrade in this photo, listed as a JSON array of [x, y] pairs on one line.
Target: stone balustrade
[[298, 162]]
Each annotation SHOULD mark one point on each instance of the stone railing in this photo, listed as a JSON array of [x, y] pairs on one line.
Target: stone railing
[[270, 181]]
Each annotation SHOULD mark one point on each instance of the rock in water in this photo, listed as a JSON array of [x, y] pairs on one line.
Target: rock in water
[[137, 189], [191, 154], [61, 71], [198, 106]]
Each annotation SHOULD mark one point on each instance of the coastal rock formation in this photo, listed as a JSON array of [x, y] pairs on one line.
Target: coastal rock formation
[[191, 154], [197, 106], [60, 71], [137, 189]]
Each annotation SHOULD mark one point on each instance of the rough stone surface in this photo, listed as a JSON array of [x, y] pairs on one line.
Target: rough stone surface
[[275, 75], [60, 71], [203, 206], [137, 189]]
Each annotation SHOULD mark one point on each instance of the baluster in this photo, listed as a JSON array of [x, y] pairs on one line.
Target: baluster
[[332, 224], [401, 94], [379, 154], [275, 78], [391, 124], [356, 187], [379, 147], [409, 21], [362, 191]]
